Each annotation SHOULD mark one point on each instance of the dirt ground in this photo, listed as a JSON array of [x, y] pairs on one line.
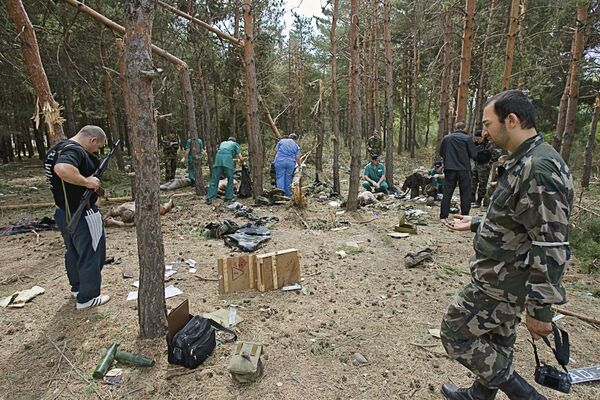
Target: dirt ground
[[367, 302]]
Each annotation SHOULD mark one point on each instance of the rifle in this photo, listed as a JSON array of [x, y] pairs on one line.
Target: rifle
[[85, 199]]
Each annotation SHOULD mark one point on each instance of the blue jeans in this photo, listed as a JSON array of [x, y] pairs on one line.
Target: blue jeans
[[284, 173], [83, 263]]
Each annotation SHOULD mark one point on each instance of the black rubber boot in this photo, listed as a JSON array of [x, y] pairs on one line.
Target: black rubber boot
[[475, 392], [517, 388]]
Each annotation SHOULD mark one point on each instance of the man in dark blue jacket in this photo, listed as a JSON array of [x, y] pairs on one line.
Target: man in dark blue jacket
[[457, 149]]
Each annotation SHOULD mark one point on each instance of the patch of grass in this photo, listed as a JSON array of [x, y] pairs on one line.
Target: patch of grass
[[585, 241], [352, 249], [103, 315], [450, 270]]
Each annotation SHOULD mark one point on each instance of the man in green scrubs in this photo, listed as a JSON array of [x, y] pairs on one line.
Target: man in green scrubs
[[224, 166]]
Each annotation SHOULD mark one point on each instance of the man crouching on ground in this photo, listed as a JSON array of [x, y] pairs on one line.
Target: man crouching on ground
[[70, 166], [521, 254]]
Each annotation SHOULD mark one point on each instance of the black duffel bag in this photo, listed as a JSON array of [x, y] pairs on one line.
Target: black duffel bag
[[195, 342]]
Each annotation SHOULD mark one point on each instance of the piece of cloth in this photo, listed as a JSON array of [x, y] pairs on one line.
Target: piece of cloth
[[481, 173], [480, 333], [521, 254], [457, 149], [451, 179], [190, 157], [72, 153], [83, 260]]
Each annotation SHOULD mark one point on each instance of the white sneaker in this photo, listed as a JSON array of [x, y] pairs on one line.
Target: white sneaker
[[96, 301]]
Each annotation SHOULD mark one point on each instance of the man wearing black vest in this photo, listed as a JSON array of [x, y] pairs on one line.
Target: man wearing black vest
[[457, 149], [70, 165]]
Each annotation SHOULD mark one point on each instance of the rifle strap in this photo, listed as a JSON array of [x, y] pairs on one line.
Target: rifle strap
[[67, 208]]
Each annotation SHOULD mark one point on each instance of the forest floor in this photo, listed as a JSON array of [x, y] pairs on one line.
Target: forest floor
[[367, 302]]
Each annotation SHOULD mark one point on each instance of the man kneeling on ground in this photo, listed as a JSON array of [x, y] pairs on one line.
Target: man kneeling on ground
[[374, 175]]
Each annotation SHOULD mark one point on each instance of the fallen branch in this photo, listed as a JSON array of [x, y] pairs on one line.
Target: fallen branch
[[182, 373], [207, 279], [588, 210], [365, 222], [591, 320], [302, 219]]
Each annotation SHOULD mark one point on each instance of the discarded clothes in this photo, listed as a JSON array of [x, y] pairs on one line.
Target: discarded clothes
[[241, 211], [413, 259], [248, 238], [23, 226], [217, 230]]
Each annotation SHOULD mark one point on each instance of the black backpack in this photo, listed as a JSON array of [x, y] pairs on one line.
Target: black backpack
[[195, 342]]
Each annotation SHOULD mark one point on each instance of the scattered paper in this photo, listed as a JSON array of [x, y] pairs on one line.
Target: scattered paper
[[127, 273], [191, 262], [168, 267], [192, 270], [341, 228], [222, 316], [435, 333], [18, 299], [170, 291], [334, 203], [398, 234], [360, 359], [341, 253], [295, 286], [557, 317], [114, 376], [136, 284], [169, 274]]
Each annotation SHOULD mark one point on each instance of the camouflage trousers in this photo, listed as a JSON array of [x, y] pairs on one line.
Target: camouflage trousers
[[480, 332], [170, 168], [481, 173]]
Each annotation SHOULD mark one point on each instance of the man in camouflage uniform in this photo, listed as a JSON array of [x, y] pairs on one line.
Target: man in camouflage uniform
[[481, 168], [374, 145], [521, 253], [170, 149]]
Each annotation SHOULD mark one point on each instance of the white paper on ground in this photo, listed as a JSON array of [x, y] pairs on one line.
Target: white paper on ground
[[191, 262], [170, 291], [25, 295], [192, 270]]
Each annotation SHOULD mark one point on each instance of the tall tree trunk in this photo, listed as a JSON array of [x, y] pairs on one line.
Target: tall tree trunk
[[334, 100], [207, 126], [403, 95], [139, 16], [68, 86], [591, 144], [376, 49], [510, 43], [255, 146], [186, 86], [320, 129], [412, 137], [445, 80], [31, 54], [355, 109], [481, 88], [578, 47], [389, 95], [39, 140], [562, 112], [110, 109], [465, 63], [24, 124]]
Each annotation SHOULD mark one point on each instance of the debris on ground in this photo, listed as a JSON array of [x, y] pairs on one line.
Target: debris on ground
[[18, 299], [106, 361], [216, 230], [245, 365], [248, 238], [435, 333], [413, 259], [25, 226], [360, 359], [398, 235], [170, 291]]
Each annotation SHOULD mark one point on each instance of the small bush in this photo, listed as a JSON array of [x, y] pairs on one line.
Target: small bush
[[585, 241]]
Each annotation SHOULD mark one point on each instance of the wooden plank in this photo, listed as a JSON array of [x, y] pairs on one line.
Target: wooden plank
[[236, 273], [277, 269]]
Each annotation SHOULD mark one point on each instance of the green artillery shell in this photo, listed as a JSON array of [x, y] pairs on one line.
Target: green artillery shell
[[106, 361]]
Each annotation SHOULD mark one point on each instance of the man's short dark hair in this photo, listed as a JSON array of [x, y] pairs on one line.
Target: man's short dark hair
[[461, 126], [514, 102]]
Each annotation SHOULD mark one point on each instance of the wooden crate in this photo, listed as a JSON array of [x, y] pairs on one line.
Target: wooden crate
[[236, 273], [277, 269]]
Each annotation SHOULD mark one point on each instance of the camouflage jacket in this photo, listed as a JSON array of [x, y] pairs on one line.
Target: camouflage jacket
[[521, 245], [170, 148], [374, 145]]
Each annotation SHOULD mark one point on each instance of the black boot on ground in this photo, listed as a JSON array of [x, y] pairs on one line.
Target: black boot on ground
[[517, 388], [475, 392]]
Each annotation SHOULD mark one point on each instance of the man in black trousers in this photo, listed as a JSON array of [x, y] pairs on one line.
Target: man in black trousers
[[457, 149]]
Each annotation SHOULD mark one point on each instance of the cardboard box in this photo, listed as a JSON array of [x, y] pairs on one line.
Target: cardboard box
[[178, 318], [277, 269], [236, 273]]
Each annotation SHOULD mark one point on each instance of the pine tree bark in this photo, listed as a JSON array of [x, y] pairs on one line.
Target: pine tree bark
[[207, 126], [139, 17], [186, 87], [577, 57], [445, 80], [591, 144], [334, 100], [465, 63], [255, 146], [38, 135], [510, 43], [321, 128], [412, 136], [31, 54], [355, 109], [562, 112], [481, 88], [389, 95]]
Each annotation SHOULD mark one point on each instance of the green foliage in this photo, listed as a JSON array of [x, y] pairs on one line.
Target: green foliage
[[585, 240]]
